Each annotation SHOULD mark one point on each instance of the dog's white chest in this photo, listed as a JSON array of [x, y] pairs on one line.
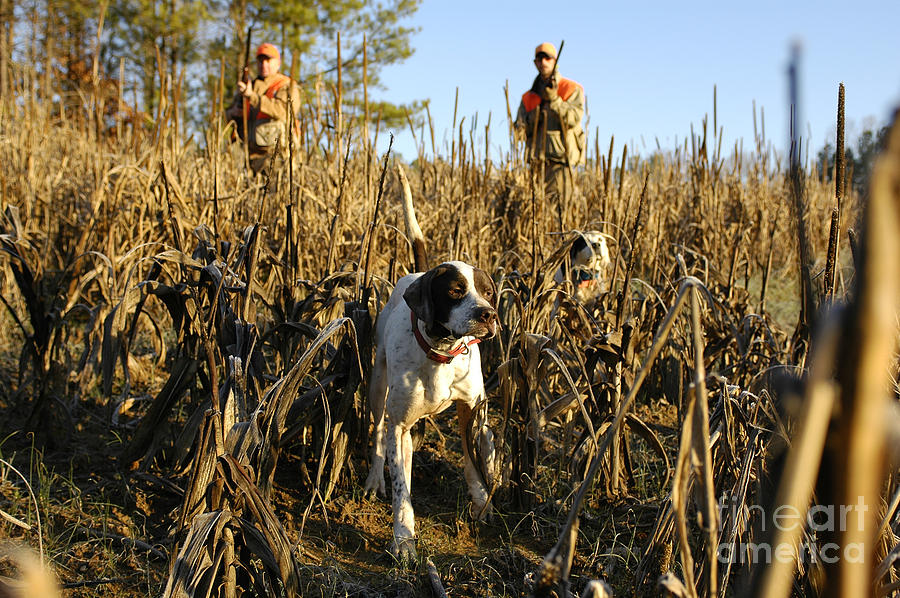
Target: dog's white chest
[[428, 387]]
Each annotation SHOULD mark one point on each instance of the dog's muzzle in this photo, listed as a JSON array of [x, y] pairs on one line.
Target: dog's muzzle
[[487, 318]]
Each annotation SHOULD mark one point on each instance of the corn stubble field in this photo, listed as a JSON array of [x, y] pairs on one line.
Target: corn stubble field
[[185, 354]]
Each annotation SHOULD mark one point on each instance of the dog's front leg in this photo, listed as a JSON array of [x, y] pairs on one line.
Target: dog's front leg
[[485, 439], [399, 453], [376, 399]]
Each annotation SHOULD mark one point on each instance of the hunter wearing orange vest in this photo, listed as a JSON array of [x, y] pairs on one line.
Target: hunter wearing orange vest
[[549, 120], [267, 96]]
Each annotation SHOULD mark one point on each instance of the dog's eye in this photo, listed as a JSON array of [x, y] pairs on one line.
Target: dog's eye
[[456, 292]]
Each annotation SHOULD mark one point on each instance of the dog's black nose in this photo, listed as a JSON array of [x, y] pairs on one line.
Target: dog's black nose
[[486, 315]]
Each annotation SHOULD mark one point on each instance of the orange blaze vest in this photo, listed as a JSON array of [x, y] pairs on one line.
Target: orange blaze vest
[[565, 88], [270, 93]]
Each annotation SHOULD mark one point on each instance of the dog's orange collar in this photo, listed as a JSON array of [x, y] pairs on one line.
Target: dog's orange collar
[[584, 278], [432, 353]]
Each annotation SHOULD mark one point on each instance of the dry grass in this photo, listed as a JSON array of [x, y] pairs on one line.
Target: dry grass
[[185, 351]]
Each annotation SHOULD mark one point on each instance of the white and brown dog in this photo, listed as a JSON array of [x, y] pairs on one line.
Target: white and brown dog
[[426, 358], [589, 264]]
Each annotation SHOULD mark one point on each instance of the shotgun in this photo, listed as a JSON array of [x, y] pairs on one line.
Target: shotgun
[[564, 132], [245, 77], [556, 62]]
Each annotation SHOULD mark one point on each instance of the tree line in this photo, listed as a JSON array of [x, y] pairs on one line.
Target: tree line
[[858, 161], [151, 50]]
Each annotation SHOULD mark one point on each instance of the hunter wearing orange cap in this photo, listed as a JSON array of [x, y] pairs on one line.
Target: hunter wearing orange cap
[[268, 116], [549, 120]]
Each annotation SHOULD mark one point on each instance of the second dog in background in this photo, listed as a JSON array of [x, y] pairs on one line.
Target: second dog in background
[[588, 266]]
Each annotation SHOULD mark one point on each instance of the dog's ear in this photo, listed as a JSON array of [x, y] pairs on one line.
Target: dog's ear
[[485, 286], [418, 296], [578, 245]]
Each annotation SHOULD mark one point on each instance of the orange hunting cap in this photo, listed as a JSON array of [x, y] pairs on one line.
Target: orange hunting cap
[[267, 49], [547, 48]]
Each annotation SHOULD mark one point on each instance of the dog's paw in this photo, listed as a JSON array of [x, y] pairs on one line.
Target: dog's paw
[[481, 510], [374, 484], [404, 550]]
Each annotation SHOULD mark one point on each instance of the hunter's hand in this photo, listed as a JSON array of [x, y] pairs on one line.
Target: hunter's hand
[[245, 88], [551, 92]]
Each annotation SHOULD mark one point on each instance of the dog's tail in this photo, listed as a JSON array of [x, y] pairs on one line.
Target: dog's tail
[[420, 256]]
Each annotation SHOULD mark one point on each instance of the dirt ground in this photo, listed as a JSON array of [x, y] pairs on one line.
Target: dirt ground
[[108, 532]]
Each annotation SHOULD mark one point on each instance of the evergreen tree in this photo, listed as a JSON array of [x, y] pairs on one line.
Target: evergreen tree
[[56, 47], [181, 44], [7, 22], [159, 39], [306, 32], [857, 164]]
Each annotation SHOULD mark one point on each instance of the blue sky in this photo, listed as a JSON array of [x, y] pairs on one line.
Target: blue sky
[[648, 68]]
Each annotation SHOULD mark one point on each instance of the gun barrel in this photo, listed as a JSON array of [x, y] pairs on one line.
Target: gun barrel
[[558, 54], [245, 74]]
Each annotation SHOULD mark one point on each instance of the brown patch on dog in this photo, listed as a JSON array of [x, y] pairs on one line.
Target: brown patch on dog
[[485, 286]]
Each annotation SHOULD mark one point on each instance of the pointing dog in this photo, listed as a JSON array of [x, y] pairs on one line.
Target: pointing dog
[[589, 266], [426, 358]]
